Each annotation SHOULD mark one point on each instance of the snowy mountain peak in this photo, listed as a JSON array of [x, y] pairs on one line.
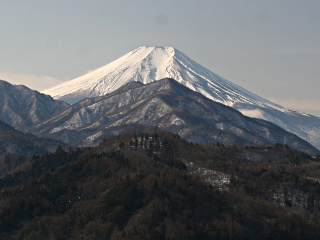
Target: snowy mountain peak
[[144, 64], [147, 64], [156, 48]]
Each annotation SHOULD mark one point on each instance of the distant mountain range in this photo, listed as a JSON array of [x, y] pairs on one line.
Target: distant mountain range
[[197, 104], [168, 105], [22, 107], [148, 64]]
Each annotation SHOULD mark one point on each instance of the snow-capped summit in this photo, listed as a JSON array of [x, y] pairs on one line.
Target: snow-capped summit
[[148, 64]]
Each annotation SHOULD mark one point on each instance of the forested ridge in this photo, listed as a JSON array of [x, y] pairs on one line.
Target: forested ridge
[[139, 186]]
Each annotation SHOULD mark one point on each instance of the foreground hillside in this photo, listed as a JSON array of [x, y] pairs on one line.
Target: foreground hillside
[[157, 186]]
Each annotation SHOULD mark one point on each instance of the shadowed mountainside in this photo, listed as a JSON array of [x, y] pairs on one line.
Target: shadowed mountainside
[[167, 105], [22, 107]]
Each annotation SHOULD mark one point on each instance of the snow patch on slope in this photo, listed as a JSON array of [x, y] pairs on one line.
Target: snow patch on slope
[[256, 113]]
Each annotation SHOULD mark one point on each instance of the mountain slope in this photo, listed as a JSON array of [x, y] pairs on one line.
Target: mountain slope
[[17, 147], [22, 107], [148, 64], [165, 104]]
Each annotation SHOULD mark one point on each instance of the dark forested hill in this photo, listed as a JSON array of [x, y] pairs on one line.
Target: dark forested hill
[[17, 147], [156, 186]]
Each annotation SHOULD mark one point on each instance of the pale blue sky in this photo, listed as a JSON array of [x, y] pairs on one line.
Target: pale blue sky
[[271, 48]]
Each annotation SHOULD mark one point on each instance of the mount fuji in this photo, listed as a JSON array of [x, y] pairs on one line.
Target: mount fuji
[[149, 64]]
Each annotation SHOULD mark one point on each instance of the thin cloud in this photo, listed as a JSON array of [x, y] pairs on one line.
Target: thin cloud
[[34, 82]]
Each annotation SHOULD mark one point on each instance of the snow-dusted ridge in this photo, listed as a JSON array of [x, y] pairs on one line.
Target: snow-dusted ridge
[[168, 105], [22, 107], [148, 64]]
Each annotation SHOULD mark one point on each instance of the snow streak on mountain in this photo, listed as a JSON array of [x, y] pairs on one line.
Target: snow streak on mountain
[[148, 64]]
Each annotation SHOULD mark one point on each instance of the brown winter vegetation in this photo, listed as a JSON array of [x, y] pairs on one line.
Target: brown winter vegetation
[[137, 186]]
